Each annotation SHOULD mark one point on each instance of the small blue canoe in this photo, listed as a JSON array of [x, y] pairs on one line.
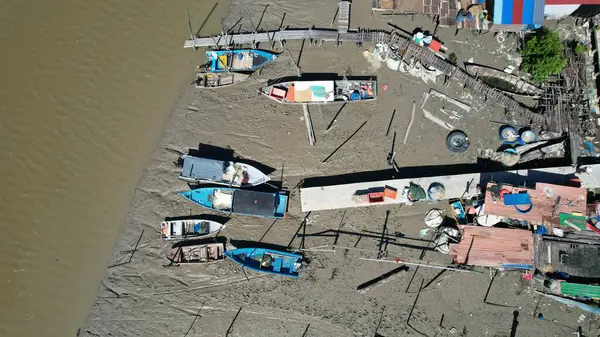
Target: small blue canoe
[[245, 202], [267, 261], [237, 60]]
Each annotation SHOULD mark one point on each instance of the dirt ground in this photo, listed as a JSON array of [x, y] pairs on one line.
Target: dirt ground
[[141, 297]]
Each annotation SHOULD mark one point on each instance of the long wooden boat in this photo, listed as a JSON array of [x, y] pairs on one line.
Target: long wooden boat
[[343, 90], [206, 253], [245, 202], [237, 60], [503, 81], [267, 261], [206, 80], [228, 173], [191, 228]]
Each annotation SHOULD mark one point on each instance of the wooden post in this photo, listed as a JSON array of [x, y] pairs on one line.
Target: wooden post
[[309, 126], [412, 119], [192, 37], [420, 265]]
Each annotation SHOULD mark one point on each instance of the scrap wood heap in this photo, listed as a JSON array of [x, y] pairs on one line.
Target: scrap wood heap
[[493, 247], [565, 101]]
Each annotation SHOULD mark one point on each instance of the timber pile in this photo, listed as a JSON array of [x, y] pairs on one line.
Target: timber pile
[[492, 247]]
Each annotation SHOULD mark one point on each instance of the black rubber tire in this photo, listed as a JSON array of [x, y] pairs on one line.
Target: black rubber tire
[[457, 141]]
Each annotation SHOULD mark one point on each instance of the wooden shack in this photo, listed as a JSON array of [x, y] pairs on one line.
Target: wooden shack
[[577, 254]]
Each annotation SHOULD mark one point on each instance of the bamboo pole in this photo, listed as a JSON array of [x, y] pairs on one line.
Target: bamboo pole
[[412, 119], [421, 265]]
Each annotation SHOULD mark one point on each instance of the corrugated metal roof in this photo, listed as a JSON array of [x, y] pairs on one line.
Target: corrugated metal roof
[[527, 12], [497, 18], [572, 2], [580, 290], [538, 12], [493, 247]]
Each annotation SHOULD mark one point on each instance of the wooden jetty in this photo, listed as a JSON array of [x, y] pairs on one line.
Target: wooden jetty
[[321, 34], [343, 16]]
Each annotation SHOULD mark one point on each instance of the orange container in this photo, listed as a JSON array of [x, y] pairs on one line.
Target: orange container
[[390, 192]]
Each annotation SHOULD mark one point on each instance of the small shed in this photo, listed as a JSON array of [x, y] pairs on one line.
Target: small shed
[[577, 254]]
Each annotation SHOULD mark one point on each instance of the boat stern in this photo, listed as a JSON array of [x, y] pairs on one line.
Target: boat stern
[[165, 230]]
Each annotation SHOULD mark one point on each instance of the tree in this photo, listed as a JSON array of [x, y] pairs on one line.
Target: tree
[[543, 55], [452, 58], [581, 49]]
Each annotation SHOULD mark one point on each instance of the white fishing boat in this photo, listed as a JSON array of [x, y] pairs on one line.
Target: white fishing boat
[[228, 173], [342, 90], [191, 228]]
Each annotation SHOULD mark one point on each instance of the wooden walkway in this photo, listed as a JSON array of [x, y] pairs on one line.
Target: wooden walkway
[[343, 16], [325, 35]]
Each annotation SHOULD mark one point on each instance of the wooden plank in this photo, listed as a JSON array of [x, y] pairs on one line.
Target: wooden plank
[[309, 127], [344, 16], [329, 35]]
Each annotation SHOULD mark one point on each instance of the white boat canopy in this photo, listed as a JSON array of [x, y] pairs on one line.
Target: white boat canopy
[[314, 91]]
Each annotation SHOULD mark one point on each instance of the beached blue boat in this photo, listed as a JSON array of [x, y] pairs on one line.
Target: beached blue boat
[[237, 60], [245, 202], [267, 261]]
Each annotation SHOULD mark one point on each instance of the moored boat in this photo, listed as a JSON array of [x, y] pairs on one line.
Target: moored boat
[[210, 252], [237, 60], [503, 81], [229, 173], [267, 261], [206, 80], [191, 228], [245, 202], [342, 90]]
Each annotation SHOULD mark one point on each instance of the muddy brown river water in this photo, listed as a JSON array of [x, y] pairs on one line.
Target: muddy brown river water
[[85, 90]]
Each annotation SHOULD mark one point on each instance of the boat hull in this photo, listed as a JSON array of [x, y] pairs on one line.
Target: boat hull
[[206, 80], [189, 228], [237, 201], [508, 83], [207, 253], [238, 60], [327, 91], [226, 173], [267, 261]]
